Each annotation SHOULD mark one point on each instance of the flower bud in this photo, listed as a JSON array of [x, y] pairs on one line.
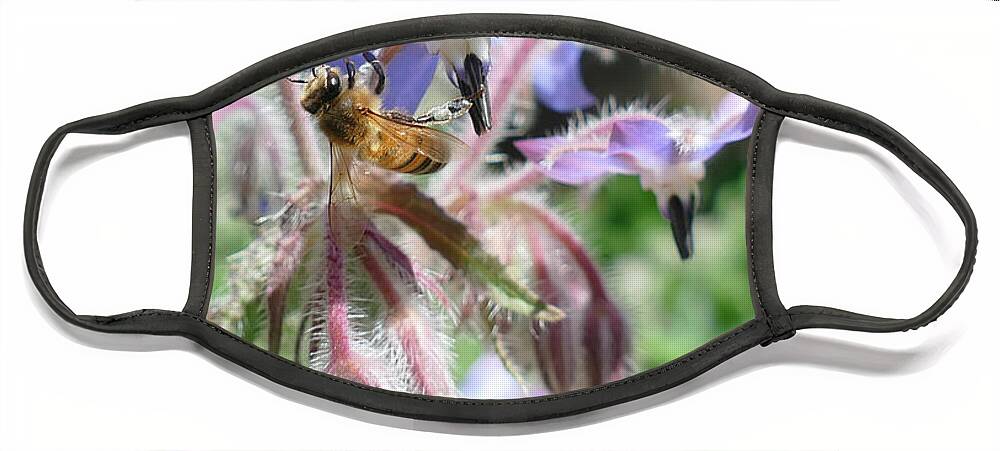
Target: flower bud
[[607, 342], [593, 344]]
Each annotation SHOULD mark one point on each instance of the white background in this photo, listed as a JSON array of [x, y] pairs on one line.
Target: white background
[[852, 229]]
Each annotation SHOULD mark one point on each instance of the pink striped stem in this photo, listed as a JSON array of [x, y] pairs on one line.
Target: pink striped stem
[[345, 361], [526, 179], [391, 272], [606, 337], [555, 351]]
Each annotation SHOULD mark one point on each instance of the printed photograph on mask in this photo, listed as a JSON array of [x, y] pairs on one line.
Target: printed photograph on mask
[[482, 218]]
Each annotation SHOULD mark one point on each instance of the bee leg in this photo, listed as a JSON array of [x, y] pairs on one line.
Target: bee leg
[[351, 70], [377, 65], [436, 115]]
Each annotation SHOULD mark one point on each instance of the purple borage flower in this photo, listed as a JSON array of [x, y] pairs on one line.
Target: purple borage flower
[[558, 81], [667, 153], [410, 69], [469, 63]]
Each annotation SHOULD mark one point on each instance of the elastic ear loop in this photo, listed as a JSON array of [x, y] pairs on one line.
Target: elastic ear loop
[[147, 321], [861, 124]]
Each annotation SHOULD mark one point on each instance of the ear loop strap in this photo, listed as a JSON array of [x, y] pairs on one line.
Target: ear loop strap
[[147, 321], [846, 119]]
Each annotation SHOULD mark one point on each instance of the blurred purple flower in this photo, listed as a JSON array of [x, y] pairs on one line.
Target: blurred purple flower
[[488, 378], [558, 80], [667, 153], [358, 60]]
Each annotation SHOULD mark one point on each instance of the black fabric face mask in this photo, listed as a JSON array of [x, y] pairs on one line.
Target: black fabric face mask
[[486, 218]]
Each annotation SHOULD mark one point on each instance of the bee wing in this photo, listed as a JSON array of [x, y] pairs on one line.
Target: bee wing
[[345, 213], [434, 144], [342, 187]]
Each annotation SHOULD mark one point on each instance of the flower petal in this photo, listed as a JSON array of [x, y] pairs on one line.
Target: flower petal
[[558, 80], [409, 74], [578, 168], [572, 167], [733, 120], [644, 142], [408, 71], [634, 144], [538, 149]]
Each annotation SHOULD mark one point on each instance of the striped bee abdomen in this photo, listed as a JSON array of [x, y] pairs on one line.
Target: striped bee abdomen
[[406, 161], [418, 164]]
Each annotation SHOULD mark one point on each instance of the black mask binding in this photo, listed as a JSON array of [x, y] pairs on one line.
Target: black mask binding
[[472, 218]]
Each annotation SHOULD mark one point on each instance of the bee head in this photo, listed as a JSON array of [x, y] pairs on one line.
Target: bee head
[[322, 89]]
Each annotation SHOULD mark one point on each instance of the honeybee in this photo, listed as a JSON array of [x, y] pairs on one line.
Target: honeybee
[[348, 110]]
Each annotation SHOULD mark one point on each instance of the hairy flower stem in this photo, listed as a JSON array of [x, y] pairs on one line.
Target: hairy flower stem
[[391, 272], [337, 315], [288, 256], [275, 315], [453, 241], [348, 357], [562, 233], [301, 129], [527, 179], [308, 319], [433, 285]]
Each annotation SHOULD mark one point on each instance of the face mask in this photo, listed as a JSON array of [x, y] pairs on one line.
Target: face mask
[[486, 218]]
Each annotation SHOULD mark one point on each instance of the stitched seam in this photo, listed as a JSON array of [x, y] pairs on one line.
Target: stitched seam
[[753, 223], [772, 328], [828, 312], [211, 221], [662, 370]]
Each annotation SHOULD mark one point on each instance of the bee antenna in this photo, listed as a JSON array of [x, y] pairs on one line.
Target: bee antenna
[[292, 80]]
